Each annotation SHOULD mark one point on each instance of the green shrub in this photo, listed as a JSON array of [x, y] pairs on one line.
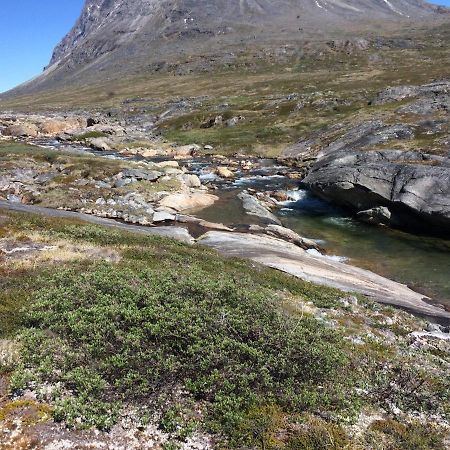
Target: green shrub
[[129, 333], [411, 436]]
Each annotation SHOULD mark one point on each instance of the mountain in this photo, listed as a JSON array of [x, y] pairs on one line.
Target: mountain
[[116, 38]]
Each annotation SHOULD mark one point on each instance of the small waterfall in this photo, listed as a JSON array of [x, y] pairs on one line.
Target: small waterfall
[[296, 195]]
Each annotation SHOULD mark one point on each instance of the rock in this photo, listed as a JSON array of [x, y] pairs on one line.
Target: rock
[[212, 122], [21, 130], [362, 135], [141, 174], [149, 153], [415, 194], [427, 106], [102, 185], [253, 207], [434, 328], [186, 150], [234, 121], [57, 126], [294, 176], [191, 181], [100, 201], [279, 196], [214, 226], [351, 300], [224, 172], [289, 258], [376, 216], [398, 93], [186, 201], [349, 46], [13, 198], [123, 182], [100, 143], [291, 236], [162, 216], [172, 164]]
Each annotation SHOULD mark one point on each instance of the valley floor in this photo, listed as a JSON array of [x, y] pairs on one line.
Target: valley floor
[[168, 276]]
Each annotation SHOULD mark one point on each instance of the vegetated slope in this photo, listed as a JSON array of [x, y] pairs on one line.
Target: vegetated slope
[[112, 39], [175, 342]]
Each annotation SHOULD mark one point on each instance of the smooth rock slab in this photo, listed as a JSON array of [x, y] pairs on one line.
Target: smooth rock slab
[[291, 259], [186, 201]]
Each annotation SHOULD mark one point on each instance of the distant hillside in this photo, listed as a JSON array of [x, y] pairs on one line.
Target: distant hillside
[[117, 38]]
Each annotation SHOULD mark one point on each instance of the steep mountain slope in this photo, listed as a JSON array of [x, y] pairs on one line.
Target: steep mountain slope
[[113, 38], [105, 25]]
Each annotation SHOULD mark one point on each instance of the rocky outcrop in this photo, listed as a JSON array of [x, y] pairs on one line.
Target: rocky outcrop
[[388, 173], [398, 93], [178, 233], [415, 191], [33, 125]]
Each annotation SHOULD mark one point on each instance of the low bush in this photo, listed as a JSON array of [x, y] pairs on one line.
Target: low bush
[[129, 334]]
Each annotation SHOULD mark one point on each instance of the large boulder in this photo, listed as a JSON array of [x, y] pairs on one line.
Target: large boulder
[[188, 201], [100, 143], [413, 186], [57, 126], [375, 216], [21, 130], [254, 207], [224, 172]]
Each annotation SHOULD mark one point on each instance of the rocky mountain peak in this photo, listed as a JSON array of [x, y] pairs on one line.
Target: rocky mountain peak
[[123, 38]]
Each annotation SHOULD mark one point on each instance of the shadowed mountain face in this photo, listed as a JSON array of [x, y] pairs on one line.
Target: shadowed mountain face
[[113, 38]]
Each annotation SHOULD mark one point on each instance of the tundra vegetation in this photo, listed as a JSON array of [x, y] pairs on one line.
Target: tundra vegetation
[[104, 330], [96, 323]]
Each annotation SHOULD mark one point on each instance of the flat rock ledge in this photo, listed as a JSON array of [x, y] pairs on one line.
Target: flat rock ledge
[[178, 233], [291, 259]]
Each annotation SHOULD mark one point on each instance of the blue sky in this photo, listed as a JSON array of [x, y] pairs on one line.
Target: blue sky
[[30, 29]]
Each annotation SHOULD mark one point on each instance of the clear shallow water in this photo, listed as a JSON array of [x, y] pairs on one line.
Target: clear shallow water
[[423, 263]]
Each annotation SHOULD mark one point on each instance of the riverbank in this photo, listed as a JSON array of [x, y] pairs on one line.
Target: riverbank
[[59, 377], [160, 192]]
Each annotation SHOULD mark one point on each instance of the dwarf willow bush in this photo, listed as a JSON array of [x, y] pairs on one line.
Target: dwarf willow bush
[[127, 333]]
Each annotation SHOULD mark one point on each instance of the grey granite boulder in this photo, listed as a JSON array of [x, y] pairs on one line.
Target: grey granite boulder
[[414, 188], [254, 208]]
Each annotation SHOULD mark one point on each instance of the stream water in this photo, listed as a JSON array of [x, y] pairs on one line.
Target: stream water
[[421, 262]]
